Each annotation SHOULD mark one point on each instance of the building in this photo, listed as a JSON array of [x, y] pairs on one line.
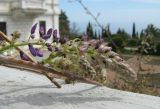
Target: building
[[22, 14]]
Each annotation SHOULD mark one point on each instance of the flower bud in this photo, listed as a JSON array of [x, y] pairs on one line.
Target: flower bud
[[41, 31], [33, 29], [63, 40], [39, 53], [55, 36], [48, 35], [23, 56], [32, 50]]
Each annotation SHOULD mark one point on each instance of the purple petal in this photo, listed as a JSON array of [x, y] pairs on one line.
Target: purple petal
[[99, 43], [39, 53], [55, 36], [48, 44], [48, 35], [49, 32], [84, 48], [104, 49], [51, 49], [23, 56], [55, 33], [56, 39], [45, 37], [101, 49], [32, 50], [57, 49], [101, 40], [63, 40], [41, 31], [93, 42], [110, 49], [33, 29]]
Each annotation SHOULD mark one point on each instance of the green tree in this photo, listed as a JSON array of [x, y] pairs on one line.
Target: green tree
[[142, 34], [119, 41], [95, 34], [123, 34], [64, 24], [133, 42], [134, 31], [89, 30], [106, 32], [152, 30], [158, 49], [154, 36]]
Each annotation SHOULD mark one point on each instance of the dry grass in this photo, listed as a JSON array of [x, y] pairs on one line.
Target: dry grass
[[142, 84]]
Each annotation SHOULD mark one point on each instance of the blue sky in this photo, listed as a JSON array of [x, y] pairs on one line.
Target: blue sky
[[117, 13]]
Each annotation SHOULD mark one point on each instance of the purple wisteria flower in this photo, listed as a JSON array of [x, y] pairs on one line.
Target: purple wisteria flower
[[48, 44], [55, 33], [41, 31], [35, 51], [48, 35], [50, 48], [83, 48], [99, 43], [55, 36], [104, 49], [63, 40], [93, 42], [32, 50], [39, 53], [23, 56], [33, 29], [57, 49]]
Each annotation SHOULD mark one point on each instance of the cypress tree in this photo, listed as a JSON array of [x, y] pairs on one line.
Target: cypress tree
[[89, 30], [95, 34], [64, 24], [134, 31]]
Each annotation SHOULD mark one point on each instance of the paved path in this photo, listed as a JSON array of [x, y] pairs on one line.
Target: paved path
[[25, 90]]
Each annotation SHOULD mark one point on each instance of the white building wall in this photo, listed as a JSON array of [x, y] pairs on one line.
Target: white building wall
[[23, 23], [4, 7]]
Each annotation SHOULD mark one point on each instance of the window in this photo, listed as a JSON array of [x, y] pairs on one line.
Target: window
[[3, 27], [42, 24]]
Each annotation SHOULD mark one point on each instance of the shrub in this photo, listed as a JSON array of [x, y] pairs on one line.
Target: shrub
[[133, 42], [119, 41], [158, 49]]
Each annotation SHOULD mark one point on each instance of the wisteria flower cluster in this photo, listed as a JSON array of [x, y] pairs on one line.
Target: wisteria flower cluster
[[68, 55], [84, 57], [43, 37]]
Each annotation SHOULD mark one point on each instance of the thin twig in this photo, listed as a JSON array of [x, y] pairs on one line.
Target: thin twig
[[18, 48], [96, 20], [40, 68]]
